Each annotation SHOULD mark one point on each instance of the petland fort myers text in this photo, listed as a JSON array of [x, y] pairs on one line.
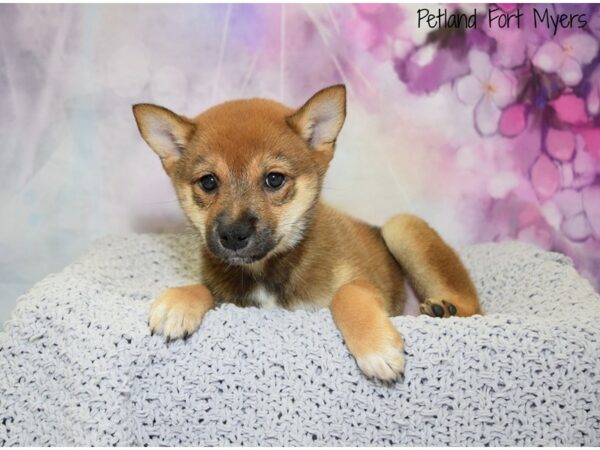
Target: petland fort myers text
[[499, 18]]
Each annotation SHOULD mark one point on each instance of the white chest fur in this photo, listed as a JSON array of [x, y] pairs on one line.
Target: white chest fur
[[263, 298], [267, 300]]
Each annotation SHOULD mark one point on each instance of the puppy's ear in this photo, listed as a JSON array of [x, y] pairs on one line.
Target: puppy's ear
[[165, 132], [320, 119]]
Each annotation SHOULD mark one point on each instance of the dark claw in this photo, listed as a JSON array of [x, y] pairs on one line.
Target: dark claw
[[450, 307], [186, 335], [438, 311], [151, 332], [168, 341]]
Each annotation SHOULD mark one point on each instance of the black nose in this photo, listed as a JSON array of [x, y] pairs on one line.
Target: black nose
[[236, 235]]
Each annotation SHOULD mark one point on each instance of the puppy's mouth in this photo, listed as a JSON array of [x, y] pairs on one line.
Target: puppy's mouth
[[235, 260]]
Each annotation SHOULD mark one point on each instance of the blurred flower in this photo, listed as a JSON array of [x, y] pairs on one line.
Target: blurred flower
[[576, 228], [593, 96], [591, 204], [442, 58], [426, 68], [487, 87], [545, 177], [566, 174], [569, 202], [560, 144], [584, 169], [566, 56], [570, 109], [513, 120], [591, 137]]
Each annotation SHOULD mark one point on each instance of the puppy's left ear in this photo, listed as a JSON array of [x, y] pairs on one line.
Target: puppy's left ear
[[320, 119]]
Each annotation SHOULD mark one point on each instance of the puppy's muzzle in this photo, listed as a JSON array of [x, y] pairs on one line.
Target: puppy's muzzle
[[236, 235]]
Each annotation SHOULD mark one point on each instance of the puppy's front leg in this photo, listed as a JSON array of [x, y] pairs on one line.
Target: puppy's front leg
[[178, 312], [358, 309]]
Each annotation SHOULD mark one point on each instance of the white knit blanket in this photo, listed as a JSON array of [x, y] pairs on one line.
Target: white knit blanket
[[78, 366]]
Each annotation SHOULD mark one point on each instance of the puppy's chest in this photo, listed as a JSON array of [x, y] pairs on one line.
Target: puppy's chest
[[268, 289], [264, 298], [268, 295]]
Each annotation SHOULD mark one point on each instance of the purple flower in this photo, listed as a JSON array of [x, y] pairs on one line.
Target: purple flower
[[593, 96], [560, 144], [566, 56], [591, 203], [570, 109], [545, 177], [488, 88], [427, 68], [513, 120]]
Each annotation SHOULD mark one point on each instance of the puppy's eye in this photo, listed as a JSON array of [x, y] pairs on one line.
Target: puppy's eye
[[208, 182], [274, 180]]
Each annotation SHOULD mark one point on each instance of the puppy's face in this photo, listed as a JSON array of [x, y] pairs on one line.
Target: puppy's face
[[248, 172]]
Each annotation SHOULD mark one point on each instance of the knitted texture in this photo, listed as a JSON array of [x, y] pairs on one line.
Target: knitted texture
[[79, 367]]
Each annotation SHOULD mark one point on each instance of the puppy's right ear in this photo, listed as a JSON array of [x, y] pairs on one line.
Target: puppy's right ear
[[165, 132]]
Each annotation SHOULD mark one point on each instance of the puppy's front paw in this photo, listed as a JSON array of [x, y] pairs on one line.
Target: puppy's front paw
[[387, 363], [178, 312], [359, 312]]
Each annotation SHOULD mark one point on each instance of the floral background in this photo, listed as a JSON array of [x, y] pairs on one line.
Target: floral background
[[488, 133]]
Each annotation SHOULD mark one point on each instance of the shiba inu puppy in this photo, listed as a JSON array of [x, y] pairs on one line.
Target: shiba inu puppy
[[248, 175]]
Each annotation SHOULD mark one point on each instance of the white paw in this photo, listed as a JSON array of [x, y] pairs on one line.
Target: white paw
[[174, 314], [386, 365]]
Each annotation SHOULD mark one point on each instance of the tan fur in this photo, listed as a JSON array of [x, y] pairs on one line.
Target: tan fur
[[320, 257]]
